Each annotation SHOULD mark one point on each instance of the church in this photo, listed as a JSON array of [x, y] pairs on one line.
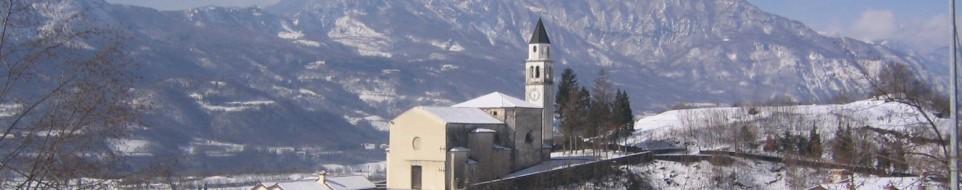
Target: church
[[478, 140]]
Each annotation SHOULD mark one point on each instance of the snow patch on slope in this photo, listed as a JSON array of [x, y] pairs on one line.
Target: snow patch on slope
[[296, 37], [354, 33], [233, 106]]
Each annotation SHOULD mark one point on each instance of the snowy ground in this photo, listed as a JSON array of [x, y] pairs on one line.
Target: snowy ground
[[671, 128], [712, 129]]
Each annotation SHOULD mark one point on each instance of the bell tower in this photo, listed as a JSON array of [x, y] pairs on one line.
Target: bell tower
[[539, 80]]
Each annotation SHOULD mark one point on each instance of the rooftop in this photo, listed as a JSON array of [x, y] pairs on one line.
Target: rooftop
[[461, 115], [540, 36], [496, 100]]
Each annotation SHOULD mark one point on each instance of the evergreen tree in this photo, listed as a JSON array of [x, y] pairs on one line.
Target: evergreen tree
[[786, 143], [624, 117], [569, 81], [814, 143], [801, 144], [843, 148]]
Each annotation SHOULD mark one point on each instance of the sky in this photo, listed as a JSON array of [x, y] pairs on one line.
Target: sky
[[921, 24]]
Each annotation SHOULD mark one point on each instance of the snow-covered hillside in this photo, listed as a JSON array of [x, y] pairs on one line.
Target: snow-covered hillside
[[883, 126], [675, 125]]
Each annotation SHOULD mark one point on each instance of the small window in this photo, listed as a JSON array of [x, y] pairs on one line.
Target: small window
[[547, 51], [534, 49], [537, 72], [531, 73], [495, 113]]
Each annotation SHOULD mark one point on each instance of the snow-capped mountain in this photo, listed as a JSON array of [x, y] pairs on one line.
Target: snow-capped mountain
[[332, 73]]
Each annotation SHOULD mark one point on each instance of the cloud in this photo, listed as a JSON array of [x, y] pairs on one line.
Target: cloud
[[875, 25], [922, 34]]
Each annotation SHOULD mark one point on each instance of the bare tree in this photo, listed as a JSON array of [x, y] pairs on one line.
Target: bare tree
[[897, 82], [64, 90]]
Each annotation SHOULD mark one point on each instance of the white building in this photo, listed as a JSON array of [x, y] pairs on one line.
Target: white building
[[478, 140]]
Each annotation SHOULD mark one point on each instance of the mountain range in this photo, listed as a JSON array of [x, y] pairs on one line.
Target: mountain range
[[330, 74]]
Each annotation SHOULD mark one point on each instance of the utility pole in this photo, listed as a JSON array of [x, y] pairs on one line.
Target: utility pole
[[954, 135]]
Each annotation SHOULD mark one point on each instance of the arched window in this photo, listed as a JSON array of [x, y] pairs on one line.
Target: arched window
[[547, 51], [547, 72], [534, 49], [537, 72], [531, 72]]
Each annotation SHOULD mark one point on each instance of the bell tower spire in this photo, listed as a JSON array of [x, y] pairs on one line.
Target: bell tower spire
[[539, 80]]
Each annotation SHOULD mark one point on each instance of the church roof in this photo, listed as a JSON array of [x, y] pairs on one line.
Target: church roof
[[496, 100], [461, 115], [540, 36]]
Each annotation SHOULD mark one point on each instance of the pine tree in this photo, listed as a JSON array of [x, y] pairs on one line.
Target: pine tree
[[843, 148], [814, 143], [569, 113], [624, 118], [569, 81], [786, 143]]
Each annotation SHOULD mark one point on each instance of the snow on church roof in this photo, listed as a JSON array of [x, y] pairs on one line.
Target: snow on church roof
[[496, 100], [461, 115]]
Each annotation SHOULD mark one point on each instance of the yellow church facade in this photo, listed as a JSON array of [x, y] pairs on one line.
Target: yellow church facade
[[478, 140]]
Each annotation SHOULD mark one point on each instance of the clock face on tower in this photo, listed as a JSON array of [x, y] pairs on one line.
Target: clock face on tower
[[534, 95]]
